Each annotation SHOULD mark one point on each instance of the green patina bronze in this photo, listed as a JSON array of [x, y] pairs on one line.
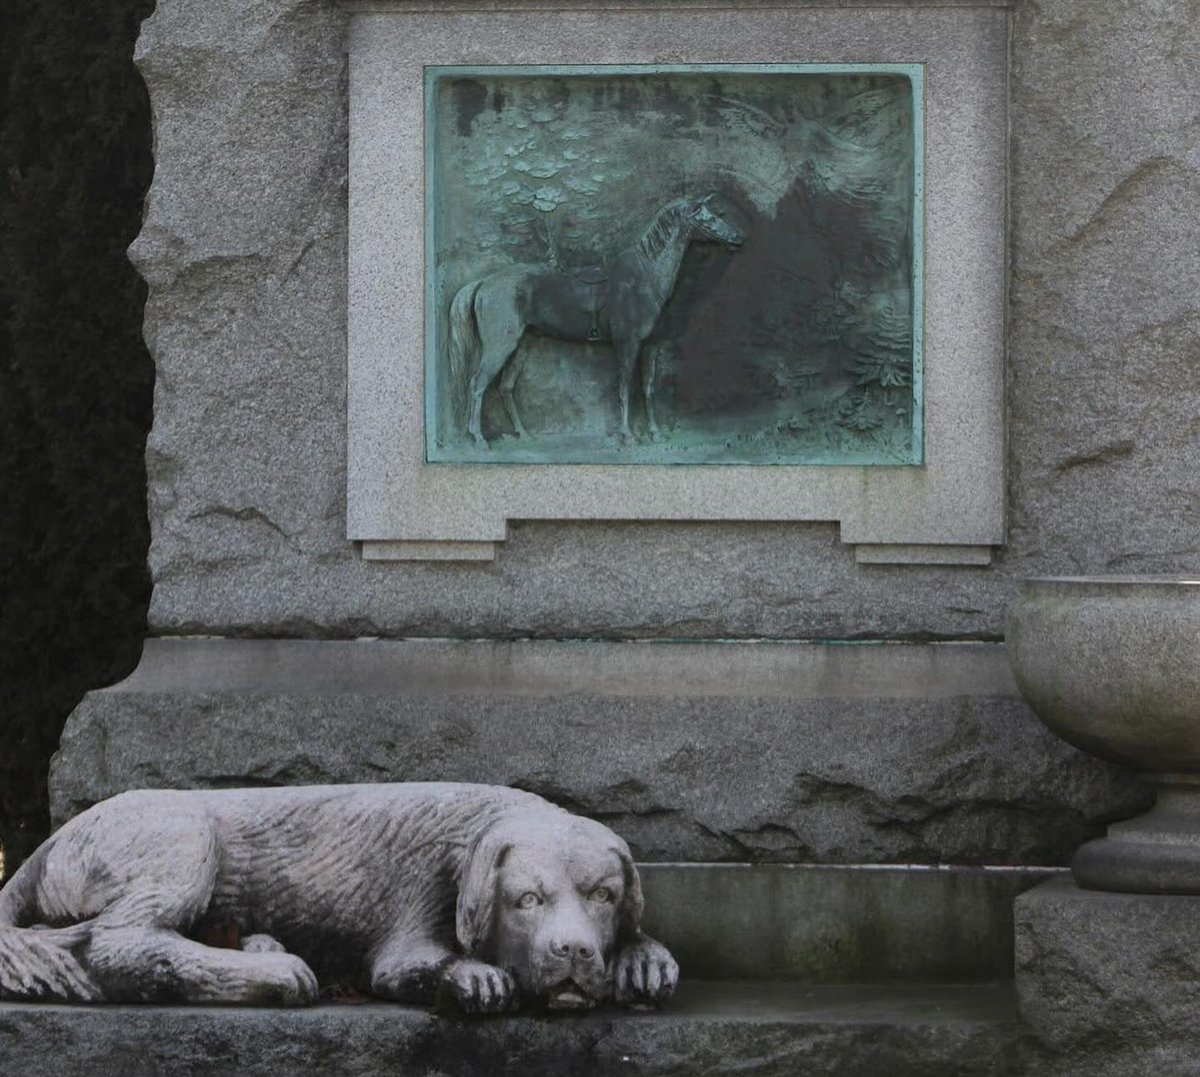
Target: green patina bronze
[[698, 265]]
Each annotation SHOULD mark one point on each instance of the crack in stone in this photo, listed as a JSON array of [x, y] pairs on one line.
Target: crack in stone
[[248, 513], [1125, 192], [1106, 454]]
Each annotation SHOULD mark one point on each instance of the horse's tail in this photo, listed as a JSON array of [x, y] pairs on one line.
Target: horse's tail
[[464, 340], [37, 964]]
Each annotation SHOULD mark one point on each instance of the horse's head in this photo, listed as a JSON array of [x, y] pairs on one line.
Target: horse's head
[[708, 223]]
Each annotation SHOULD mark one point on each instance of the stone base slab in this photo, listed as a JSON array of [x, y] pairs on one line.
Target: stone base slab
[[707, 751], [1108, 984], [766, 1029], [864, 553]]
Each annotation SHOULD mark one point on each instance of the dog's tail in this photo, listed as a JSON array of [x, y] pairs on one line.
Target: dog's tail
[[464, 340], [38, 964]]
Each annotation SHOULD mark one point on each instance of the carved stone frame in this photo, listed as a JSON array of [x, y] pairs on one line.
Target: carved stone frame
[[949, 511]]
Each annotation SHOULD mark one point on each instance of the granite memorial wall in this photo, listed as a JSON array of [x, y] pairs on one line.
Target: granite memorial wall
[[260, 485], [375, 561]]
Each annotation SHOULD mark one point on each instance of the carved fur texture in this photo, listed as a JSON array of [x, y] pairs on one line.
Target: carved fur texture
[[491, 896]]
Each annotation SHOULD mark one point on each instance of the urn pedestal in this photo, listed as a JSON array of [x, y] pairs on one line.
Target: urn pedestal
[[1112, 665]]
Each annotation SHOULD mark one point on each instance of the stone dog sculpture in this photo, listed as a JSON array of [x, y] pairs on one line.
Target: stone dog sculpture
[[405, 891]]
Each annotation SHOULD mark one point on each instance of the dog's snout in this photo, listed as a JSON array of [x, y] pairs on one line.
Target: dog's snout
[[565, 948]]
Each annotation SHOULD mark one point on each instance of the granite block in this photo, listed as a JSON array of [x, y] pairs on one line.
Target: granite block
[[726, 751], [1108, 984]]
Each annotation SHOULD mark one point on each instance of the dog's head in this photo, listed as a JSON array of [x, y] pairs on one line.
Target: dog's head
[[548, 896]]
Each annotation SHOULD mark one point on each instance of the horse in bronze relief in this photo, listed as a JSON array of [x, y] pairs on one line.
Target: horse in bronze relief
[[620, 306]]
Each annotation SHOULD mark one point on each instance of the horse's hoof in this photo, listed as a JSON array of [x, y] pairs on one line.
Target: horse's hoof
[[480, 441]]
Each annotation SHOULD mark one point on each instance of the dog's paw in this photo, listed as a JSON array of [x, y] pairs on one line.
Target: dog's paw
[[262, 944], [480, 988], [644, 974], [284, 980]]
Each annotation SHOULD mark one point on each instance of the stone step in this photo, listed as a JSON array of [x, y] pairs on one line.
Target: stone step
[[767, 1029], [837, 924]]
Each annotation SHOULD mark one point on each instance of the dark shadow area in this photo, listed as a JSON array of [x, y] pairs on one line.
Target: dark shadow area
[[75, 379]]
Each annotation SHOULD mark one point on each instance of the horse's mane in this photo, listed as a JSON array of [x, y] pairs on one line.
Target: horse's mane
[[660, 229]]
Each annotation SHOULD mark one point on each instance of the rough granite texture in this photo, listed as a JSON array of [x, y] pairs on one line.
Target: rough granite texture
[[901, 1031], [821, 754], [245, 252], [1108, 984]]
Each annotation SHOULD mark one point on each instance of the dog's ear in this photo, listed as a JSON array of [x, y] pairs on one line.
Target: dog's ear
[[629, 915], [476, 904]]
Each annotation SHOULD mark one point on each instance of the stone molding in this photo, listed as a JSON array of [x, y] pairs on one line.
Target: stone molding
[[950, 511], [650, 5]]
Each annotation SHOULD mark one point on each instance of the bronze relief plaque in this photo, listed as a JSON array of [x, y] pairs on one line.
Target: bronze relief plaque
[[674, 265]]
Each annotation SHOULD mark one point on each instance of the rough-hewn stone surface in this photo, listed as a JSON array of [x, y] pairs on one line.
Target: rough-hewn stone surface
[[1108, 984], [691, 752], [247, 323], [1105, 328], [712, 1028]]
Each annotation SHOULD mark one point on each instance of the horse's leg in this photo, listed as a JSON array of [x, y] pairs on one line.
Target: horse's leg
[[500, 328], [649, 357], [627, 353], [508, 381], [475, 421]]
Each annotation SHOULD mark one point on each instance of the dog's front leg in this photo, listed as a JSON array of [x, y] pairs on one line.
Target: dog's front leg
[[413, 969]]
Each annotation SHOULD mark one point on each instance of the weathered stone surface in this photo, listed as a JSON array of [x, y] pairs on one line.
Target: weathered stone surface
[[247, 323], [775, 1031], [690, 752], [1108, 984], [836, 924], [1104, 323]]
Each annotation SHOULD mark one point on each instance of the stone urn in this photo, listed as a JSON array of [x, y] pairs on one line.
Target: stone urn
[[1112, 665]]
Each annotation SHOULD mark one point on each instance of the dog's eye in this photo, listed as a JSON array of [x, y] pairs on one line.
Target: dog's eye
[[529, 900], [601, 894]]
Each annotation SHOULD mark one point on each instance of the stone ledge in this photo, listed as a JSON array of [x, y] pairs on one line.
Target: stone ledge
[[767, 1029], [713, 751], [766, 669], [857, 924]]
